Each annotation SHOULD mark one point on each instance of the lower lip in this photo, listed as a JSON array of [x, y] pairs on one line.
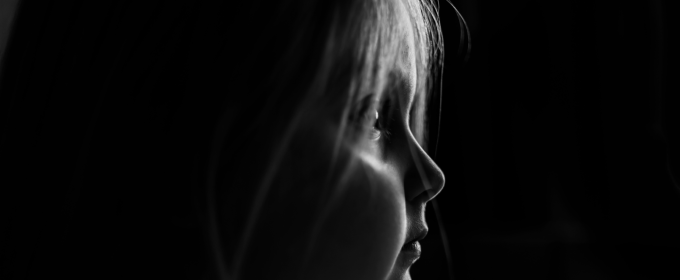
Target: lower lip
[[411, 252]]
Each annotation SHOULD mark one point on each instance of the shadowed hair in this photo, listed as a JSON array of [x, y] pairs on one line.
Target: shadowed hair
[[304, 55], [139, 136]]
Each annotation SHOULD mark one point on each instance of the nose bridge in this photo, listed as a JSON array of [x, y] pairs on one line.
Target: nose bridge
[[427, 179]]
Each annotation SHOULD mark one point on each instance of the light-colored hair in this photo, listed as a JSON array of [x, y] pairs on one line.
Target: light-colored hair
[[144, 105], [326, 51]]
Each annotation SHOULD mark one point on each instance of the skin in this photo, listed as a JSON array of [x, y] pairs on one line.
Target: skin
[[385, 197], [359, 229]]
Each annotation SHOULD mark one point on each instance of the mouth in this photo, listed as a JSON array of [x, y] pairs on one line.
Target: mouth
[[411, 250]]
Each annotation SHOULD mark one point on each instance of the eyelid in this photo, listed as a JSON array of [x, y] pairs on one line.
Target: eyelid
[[373, 114], [365, 114], [364, 104]]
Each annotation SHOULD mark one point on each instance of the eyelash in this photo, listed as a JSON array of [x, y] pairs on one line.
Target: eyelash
[[374, 116]]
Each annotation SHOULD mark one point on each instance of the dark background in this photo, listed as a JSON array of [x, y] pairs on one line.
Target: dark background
[[558, 140]]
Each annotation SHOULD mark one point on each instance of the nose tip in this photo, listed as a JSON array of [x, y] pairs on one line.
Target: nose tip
[[435, 184], [424, 180]]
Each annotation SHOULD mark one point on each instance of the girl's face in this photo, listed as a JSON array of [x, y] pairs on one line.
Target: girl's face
[[371, 227], [352, 187]]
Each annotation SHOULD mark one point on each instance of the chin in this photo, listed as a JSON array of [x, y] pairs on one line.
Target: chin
[[401, 268]]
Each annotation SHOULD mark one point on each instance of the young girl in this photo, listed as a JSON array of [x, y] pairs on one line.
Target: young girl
[[288, 140]]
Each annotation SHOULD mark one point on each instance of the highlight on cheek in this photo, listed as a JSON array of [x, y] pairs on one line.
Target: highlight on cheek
[[371, 160]]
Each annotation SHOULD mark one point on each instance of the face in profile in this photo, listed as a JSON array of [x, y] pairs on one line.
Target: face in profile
[[348, 197], [371, 227]]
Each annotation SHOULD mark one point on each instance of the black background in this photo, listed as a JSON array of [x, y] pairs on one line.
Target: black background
[[558, 141]]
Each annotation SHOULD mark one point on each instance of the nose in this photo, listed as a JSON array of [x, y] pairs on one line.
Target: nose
[[423, 179]]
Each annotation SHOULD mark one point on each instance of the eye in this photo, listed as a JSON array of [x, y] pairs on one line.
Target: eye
[[373, 117], [373, 122]]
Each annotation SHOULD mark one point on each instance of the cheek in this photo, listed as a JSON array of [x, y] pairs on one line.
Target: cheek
[[364, 227], [349, 225], [361, 220]]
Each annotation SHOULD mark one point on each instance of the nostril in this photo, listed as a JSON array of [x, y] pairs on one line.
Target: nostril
[[424, 197], [436, 184], [423, 187], [424, 179]]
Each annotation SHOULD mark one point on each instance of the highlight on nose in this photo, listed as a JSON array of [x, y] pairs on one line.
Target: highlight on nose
[[423, 179]]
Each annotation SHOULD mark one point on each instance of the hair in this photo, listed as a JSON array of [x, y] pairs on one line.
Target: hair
[[126, 114], [331, 51]]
